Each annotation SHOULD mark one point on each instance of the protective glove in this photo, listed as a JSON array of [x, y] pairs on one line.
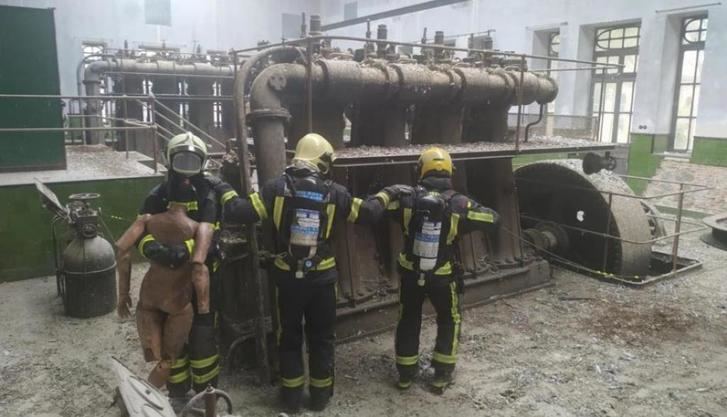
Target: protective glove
[[396, 190], [171, 256]]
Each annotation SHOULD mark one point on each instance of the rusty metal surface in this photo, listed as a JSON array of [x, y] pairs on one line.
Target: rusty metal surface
[[559, 192]]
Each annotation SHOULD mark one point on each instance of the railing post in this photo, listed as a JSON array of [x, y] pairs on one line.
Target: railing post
[[677, 229]]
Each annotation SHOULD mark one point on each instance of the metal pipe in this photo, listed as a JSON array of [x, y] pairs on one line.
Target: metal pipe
[[243, 156], [529, 125], [677, 229], [442, 47]]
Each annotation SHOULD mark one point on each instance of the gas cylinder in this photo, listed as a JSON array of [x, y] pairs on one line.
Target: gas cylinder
[[87, 280]]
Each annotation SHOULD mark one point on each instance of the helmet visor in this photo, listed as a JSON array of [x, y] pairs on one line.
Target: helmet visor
[[187, 163]]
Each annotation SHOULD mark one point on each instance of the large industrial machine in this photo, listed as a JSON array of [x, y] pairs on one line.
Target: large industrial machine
[[379, 108]]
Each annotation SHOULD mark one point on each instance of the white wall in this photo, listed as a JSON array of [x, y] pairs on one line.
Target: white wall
[[213, 24], [517, 21]]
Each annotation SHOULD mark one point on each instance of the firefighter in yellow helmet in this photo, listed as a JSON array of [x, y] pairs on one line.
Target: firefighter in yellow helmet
[[432, 216], [303, 206]]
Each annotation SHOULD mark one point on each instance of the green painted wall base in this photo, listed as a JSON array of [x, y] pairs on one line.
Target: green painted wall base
[[644, 158], [26, 249], [709, 151]]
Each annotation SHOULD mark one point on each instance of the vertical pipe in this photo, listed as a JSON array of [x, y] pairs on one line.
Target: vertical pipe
[[520, 104], [677, 229], [529, 125], [601, 100], [155, 140], [210, 402], [309, 84], [126, 132], [608, 232]]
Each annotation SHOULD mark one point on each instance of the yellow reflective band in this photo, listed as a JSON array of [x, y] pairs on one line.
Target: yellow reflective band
[[440, 384], [278, 211], [393, 205], [453, 226], [228, 196], [384, 197], [321, 383], [146, 239], [179, 378], [216, 226], [190, 205], [469, 204], [203, 363], [404, 385], [330, 212], [405, 263], [355, 206], [201, 379], [442, 358], [293, 382], [325, 264], [180, 363], [258, 205], [407, 219], [407, 360], [189, 243], [281, 264], [445, 269], [456, 318], [480, 217]]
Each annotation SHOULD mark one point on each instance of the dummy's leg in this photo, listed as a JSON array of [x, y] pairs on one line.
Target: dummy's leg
[[150, 324], [176, 330]]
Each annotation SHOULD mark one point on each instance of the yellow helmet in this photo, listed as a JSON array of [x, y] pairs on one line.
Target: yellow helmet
[[186, 154], [434, 159], [314, 151]]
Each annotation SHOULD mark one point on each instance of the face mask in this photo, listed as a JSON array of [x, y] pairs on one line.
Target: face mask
[[186, 163]]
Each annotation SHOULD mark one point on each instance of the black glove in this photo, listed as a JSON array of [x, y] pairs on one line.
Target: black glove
[[171, 256], [396, 190]]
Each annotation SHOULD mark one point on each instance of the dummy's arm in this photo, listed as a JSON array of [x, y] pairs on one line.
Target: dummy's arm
[[123, 262], [200, 273]]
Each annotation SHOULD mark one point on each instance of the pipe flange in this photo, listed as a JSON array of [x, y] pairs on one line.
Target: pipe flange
[[279, 113], [277, 81]]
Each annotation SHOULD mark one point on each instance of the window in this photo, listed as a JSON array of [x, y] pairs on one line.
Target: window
[[158, 12], [553, 51], [183, 110], [146, 114], [217, 105], [350, 10], [691, 60], [613, 88]]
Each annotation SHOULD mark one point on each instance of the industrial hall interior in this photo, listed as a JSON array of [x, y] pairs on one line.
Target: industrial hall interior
[[363, 208]]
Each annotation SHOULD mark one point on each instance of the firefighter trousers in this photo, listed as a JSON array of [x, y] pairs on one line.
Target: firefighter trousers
[[296, 299], [444, 294]]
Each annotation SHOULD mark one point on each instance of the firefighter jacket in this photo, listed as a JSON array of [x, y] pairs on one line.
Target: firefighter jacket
[[275, 202]]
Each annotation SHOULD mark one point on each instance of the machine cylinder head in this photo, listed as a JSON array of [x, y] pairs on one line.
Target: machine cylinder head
[[381, 32]]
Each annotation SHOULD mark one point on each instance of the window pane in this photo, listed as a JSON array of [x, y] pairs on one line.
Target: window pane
[[596, 96], [695, 101], [616, 43], [631, 42], [630, 63], [704, 23], [691, 133], [703, 35], [681, 134], [601, 45], [689, 60], [685, 100], [613, 60], [691, 36], [609, 101], [624, 124], [693, 24], [632, 31], [700, 63], [617, 33], [627, 91], [607, 128]]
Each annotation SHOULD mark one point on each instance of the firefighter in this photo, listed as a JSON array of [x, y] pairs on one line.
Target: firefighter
[[186, 157], [303, 206], [432, 216]]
